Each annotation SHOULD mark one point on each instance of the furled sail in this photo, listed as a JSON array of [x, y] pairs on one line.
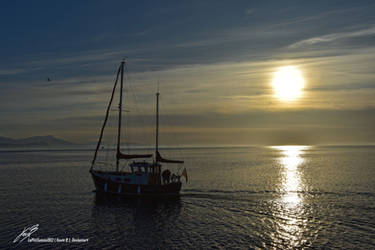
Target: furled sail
[[120, 155], [161, 159]]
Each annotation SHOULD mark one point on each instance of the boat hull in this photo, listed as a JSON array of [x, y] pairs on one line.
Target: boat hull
[[105, 184]]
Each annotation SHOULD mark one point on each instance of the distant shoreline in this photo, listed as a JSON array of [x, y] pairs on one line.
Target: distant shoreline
[[19, 149]]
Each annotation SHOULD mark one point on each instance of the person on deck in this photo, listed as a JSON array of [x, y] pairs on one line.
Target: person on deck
[[166, 176]]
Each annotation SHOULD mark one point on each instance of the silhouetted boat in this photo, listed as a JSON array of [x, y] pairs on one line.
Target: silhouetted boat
[[142, 177]]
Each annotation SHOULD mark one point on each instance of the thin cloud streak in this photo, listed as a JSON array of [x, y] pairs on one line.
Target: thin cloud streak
[[334, 37]]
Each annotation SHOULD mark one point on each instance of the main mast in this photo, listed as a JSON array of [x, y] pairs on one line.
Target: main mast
[[120, 115], [158, 157]]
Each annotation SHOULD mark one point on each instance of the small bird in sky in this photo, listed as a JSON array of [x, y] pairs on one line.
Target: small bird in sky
[[48, 79]]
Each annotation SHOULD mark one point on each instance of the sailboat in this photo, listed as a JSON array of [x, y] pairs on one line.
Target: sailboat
[[141, 177]]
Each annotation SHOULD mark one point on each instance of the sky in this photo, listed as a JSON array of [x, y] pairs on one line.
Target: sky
[[214, 61]]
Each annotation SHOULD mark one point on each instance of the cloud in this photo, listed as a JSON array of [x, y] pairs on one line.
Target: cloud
[[253, 127], [231, 36], [333, 37], [249, 11], [231, 87], [16, 71]]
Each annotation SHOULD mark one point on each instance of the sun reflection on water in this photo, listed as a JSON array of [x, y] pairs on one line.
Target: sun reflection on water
[[292, 183], [290, 206]]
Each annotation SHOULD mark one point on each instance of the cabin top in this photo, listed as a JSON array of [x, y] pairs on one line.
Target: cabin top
[[143, 166]]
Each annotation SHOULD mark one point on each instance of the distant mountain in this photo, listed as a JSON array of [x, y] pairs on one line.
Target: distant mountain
[[47, 140]]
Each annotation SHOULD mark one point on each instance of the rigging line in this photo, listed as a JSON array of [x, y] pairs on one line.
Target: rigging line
[[104, 150], [137, 108], [132, 91], [124, 166], [172, 131], [129, 93], [105, 120], [109, 151], [126, 121]]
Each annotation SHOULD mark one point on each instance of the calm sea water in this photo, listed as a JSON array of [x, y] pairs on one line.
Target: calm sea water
[[253, 197]]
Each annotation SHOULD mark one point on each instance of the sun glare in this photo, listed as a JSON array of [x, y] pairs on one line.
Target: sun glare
[[288, 83]]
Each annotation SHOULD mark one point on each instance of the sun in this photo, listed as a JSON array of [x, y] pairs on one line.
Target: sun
[[288, 83]]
